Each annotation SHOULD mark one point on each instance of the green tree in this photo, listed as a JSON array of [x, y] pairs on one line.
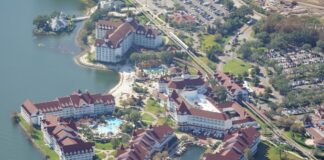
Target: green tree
[[127, 128], [220, 94]]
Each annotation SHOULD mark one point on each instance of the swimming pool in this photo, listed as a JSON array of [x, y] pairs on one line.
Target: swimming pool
[[154, 70], [111, 126]]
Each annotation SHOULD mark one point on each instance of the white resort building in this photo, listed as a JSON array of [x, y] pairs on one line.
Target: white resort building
[[188, 103], [114, 39], [76, 105], [62, 137]]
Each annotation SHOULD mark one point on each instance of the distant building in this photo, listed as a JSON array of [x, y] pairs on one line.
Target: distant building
[[182, 17], [317, 136], [114, 39], [62, 137], [76, 105], [106, 4], [235, 144], [146, 142], [58, 23]]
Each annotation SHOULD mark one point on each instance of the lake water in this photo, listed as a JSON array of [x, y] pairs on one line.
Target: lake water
[[37, 68], [192, 153]]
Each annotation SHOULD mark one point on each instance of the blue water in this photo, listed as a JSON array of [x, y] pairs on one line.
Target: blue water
[[192, 153], [154, 70], [111, 126]]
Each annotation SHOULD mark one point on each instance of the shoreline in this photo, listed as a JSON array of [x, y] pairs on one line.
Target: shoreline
[[81, 60]]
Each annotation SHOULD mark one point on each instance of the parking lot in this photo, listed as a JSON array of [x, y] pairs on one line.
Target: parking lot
[[205, 11]]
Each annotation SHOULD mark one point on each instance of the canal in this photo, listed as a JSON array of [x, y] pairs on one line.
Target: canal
[[192, 153], [38, 68]]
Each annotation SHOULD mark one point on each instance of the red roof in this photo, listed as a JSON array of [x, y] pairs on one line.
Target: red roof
[[185, 109], [74, 100], [118, 31], [316, 135], [142, 142], [181, 83], [183, 17], [227, 81], [65, 135], [235, 144]]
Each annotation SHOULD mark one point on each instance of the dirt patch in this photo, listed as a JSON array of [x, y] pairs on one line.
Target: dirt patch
[[309, 142]]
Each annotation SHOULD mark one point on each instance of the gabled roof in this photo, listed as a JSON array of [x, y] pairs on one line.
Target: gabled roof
[[118, 31], [142, 142], [74, 100], [181, 83], [227, 81], [235, 145]]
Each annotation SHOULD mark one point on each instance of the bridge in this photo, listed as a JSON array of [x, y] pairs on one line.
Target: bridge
[[82, 18]]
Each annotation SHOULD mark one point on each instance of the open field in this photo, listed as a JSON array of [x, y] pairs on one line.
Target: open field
[[147, 118], [208, 41], [103, 146], [236, 67]]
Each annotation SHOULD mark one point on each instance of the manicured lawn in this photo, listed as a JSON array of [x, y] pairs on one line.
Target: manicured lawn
[[147, 118], [153, 107], [38, 140], [101, 155], [167, 120], [208, 41], [103, 146], [267, 151], [236, 67]]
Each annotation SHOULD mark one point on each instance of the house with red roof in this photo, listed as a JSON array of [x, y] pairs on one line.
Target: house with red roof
[[235, 89], [63, 138], [235, 145], [114, 39], [317, 136], [76, 105], [183, 18], [146, 142]]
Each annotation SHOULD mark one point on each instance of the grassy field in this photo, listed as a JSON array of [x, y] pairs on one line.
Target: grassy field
[[153, 107], [147, 118], [236, 67], [267, 151], [101, 155], [38, 139], [208, 41], [166, 120], [103, 146]]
